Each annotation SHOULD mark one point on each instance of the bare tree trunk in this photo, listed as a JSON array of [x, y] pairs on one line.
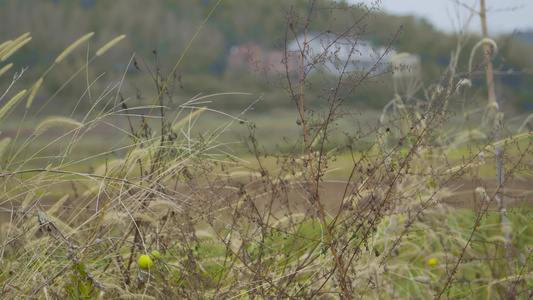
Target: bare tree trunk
[[497, 125]]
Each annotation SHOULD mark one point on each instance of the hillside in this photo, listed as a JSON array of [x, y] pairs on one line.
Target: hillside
[[168, 25]]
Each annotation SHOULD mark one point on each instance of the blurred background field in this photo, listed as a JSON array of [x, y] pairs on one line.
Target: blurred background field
[[237, 51], [232, 54]]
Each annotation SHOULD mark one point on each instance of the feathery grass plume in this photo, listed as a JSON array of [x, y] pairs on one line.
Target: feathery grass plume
[[4, 45], [115, 219], [5, 68], [490, 42], [109, 45], [12, 48], [110, 168], [7, 46], [524, 123], [484, 41], [515, 138], [73, 46], [12, 102], [59, 225], [140, 154], [27, 201], [92, 189], [56, 121], [138, 216], [3, 145], [57, 205], [183, 121], [465, 82], [20, 38], [34, 89], [34, 245], [164, 205], [8, 230]]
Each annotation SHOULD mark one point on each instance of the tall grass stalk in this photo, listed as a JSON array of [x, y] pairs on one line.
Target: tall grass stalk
[[314, 178], [497, 127], [163, 89]]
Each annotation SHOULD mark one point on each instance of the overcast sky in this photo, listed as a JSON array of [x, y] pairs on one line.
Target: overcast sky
[[503, 15]]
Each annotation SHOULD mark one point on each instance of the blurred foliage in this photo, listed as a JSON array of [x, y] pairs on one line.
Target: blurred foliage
[[167, 26]]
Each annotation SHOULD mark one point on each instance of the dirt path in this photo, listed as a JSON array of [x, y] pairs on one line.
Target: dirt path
[[519, 193]]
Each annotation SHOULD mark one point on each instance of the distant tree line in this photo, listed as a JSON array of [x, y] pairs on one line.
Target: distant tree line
[[167, 26]]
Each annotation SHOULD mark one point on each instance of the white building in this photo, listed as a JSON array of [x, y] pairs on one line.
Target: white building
[[339, 54]]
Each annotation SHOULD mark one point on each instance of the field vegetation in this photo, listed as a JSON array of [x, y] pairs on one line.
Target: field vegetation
[[165, 198]]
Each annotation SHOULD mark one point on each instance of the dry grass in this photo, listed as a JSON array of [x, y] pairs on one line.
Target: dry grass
[[350, 205]]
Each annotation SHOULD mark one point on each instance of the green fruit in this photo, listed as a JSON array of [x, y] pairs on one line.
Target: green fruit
[[155, 254], [145, 262], [432, 262]]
